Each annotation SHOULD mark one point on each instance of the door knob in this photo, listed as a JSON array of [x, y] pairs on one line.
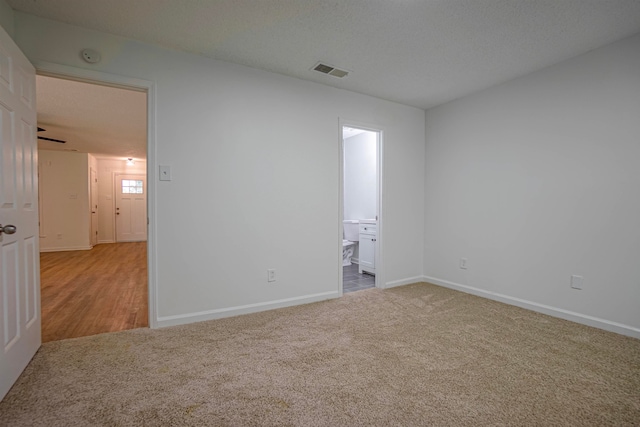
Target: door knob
[[7, 229]]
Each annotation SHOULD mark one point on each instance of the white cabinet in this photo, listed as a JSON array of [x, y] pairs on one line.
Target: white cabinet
[[367, 256]]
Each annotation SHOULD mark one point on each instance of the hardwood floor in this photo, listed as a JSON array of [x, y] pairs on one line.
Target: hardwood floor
[[91, 292]]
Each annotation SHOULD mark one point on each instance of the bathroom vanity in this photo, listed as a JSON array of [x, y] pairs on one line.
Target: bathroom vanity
[[368, 237]]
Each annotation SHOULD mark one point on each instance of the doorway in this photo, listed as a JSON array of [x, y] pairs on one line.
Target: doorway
[[360, 208], [101, 285]]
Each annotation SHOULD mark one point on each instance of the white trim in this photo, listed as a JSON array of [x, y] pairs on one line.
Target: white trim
[[380, 271], [91, 212], [105, 241], [584, 319], [379, 130], [51, 69], [151, 163], [131, 83], [183, 319], [67, 248], [114, 235], [340, 206], [402, 282]]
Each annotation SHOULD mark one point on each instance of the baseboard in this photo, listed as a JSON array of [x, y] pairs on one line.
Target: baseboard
[[584, 319], [403, 282], [71, 248], [106, 241], [183, 319]]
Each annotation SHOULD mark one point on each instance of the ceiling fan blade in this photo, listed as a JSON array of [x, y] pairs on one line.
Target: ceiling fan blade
[[52, 140]]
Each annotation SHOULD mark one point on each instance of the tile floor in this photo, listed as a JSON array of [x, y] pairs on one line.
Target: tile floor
[[353, 281]]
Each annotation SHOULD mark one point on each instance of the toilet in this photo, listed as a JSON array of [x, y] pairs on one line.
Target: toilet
[[350, 233]]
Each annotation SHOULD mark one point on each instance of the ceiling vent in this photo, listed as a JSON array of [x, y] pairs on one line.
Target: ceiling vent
[[330, 70]]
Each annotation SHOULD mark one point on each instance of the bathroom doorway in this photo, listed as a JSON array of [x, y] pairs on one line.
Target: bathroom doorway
[[360, 208]]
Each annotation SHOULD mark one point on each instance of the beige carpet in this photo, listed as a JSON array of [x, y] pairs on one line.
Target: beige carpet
[[410, 356]]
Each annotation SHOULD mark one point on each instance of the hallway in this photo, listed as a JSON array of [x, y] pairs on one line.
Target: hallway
[[92, 292]]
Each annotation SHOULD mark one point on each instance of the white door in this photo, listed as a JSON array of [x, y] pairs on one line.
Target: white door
[[93, 189], [19, 252], [131, 208], [367, 254]]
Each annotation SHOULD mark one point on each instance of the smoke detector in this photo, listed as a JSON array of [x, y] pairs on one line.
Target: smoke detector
[[91, 56], [330, 70]]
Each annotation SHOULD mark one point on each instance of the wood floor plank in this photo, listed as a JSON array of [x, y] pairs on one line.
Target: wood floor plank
[[92, 292]]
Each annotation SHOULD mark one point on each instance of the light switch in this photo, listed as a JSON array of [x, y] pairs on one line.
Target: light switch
[[165, 173]]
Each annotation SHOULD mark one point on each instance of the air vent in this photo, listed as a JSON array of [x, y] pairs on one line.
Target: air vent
[[330, 70]]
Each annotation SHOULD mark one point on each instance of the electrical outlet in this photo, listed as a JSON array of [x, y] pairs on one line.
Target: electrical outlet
[[576, 282], [271, 275], [463, 263]]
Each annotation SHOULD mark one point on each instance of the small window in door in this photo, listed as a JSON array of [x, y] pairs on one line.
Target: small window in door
[[132, 186]]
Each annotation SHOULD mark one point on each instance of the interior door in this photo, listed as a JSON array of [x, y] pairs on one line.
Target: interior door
[[131, 208], [94, 206], [19, 241]]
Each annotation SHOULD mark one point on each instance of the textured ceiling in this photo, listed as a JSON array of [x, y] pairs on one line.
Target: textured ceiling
[[416, 52], [92, 119]]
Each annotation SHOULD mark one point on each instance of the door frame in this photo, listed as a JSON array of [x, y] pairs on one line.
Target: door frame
[[101, 78], [379, 277], [93, 233]]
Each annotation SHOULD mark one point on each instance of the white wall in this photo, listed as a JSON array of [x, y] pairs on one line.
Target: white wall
[[538, 179], [64, 201], [246, 194], [360, 176], [107, 169]]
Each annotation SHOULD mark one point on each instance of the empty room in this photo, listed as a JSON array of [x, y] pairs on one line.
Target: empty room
[[500, 249]]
